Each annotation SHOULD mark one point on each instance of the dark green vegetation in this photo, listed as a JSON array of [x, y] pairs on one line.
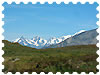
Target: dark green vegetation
[[66, 59]]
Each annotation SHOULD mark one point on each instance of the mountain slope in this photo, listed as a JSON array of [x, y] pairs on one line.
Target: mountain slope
[[84, 38]]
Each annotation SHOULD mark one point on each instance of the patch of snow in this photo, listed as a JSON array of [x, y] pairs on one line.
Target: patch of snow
[[81, 31], [16, 39], [25, 43]]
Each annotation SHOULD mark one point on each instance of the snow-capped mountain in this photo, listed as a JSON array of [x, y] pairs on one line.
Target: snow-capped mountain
[[35, 42], [81, 38], [22, 41], [55, 40], [38, 42]]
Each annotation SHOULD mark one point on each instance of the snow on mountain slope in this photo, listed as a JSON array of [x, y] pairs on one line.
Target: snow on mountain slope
[[65, 37], [17, 40], [81, 31], [38, 42], [57, 40], [53, 41], [22, 41]]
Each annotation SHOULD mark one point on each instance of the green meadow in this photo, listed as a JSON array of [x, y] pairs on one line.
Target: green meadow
[[70, 59]]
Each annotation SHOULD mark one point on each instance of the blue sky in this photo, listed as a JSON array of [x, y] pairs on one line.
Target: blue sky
[[48, 20]]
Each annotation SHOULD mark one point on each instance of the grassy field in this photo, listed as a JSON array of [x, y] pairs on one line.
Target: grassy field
[[66, 59]]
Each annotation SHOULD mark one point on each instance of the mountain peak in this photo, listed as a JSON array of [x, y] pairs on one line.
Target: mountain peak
[[36, 38], [22, 37]]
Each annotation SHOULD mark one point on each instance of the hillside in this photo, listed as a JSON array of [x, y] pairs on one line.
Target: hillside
[[84, 38], [15, 49], [20, 58]]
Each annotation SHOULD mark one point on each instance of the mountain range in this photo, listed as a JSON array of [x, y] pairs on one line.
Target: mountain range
[[80, 38], [38, 42], [84, 38]]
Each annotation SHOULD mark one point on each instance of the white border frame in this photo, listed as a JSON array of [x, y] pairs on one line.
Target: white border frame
[[42, 2]]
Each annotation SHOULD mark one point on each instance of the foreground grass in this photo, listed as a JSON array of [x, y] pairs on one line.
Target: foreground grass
[[66, 59]]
